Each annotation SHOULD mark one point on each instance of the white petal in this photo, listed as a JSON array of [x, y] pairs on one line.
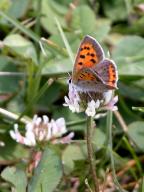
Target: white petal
[[45, 119], [49, 131], [107, 96], [29, 126], [34, 118], [64, 140], [97, 104], [61, 125], [38, 121], [16, 135], [12, 134], [30, 138], [92, 105], [41, 136], [54, 129]]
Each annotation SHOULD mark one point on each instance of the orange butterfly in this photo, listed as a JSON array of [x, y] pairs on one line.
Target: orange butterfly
[[93, 72]]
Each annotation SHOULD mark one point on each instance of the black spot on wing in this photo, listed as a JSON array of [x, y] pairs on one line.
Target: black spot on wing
[[80, 63], [82, 56], [92, 60], [87, 48], [92, 54]]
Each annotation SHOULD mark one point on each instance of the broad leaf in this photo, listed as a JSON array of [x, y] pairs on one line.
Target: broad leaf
[[21, 46], [15, 176], [129, 56], [136, 132], [48, 173]]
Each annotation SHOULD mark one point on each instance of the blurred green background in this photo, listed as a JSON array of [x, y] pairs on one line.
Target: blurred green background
[[24, 71]]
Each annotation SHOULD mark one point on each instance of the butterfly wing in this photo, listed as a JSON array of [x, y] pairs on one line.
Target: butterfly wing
[[91, 71], [89, 81], [89, 55], [107, 71]]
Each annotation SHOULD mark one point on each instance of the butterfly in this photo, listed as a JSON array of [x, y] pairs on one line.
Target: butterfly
[[92, 72]]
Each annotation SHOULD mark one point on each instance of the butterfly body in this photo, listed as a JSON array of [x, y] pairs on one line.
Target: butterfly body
[[92, 72]]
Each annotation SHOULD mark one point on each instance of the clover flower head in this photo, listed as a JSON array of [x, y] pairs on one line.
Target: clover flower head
[[90, 102], [42, 130], [73, 99]]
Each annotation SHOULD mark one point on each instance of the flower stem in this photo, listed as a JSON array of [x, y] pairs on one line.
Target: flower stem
[[91, 154], [110, 148]]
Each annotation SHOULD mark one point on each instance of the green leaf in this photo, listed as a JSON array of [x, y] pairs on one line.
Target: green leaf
[[48, 173], [136, 132], [129, 56], [9, 84], [73, 153], [11, 151], [50, 10], [15, 176], [131, 91], [98, 138], [102, 29], [18, 8], [115, 10], [83, 20], [52, 94], [21, 46], [57, 66], [5, 4], [75, 122]]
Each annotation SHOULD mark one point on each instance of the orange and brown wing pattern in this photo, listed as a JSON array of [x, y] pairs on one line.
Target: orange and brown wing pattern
[[107, 71], [112, 76], [89, 54]]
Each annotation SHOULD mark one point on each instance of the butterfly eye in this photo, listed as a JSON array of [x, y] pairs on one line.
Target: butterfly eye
[[69, 81]]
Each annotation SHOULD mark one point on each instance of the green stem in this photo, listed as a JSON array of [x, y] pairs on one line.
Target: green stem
[[38, 25], [91, 154], [133, 155], [110, 148]]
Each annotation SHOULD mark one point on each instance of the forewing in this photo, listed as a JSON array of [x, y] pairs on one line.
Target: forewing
[[89, 55]]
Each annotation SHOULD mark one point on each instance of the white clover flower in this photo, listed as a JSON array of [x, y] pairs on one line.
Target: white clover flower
[[111, 105], [89, 102], [91, 108], [41, 130], [72, 101]]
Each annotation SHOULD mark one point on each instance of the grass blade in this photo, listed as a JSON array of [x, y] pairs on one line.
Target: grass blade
[[21, 27]]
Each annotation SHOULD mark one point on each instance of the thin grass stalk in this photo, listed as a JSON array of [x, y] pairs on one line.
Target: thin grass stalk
[[21, 27], [110, 148], [38, 26], [91, 154], [129, 147]]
